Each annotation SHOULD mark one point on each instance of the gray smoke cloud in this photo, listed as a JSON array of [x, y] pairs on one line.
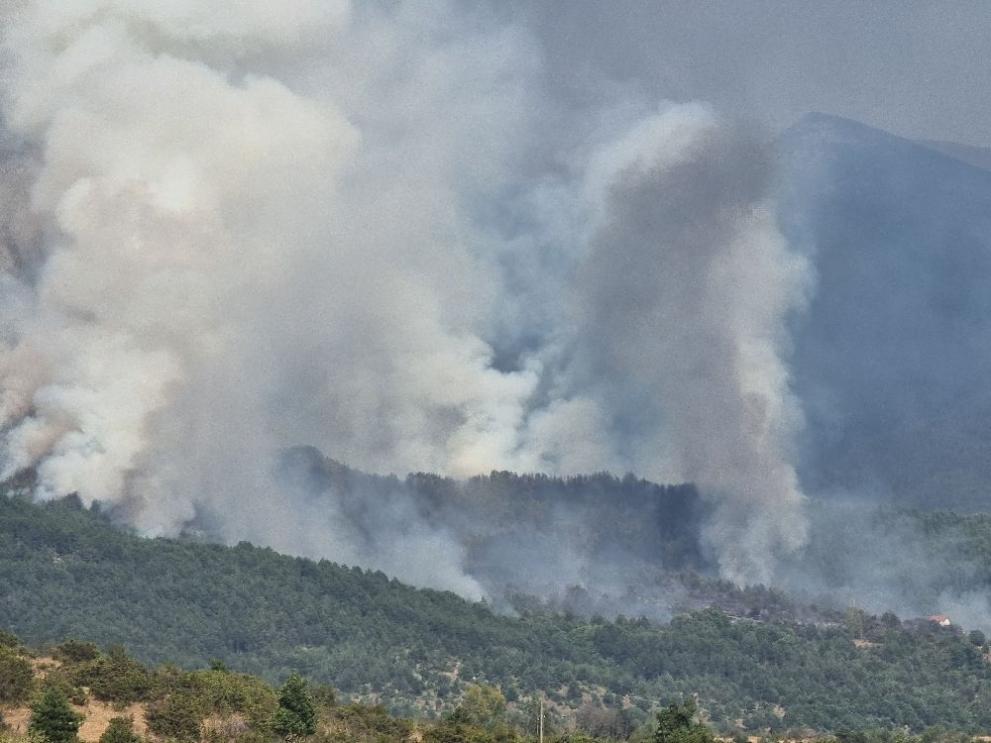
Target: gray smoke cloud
[[684, 299], [230, 228]]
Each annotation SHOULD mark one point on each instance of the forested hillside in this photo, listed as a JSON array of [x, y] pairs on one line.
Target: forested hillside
[[67, 572]]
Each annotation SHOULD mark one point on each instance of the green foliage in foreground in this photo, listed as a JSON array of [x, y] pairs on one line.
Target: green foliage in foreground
[[296, 716], [67, 572], [16, 677], [219, 706], [52, 718], [678, 723], [120, 730]]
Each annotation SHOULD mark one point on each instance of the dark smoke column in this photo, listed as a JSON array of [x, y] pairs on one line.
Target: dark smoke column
[[684, 296]]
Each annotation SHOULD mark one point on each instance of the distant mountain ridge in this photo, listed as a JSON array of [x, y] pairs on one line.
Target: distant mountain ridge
[[977, 156], [892, 357]]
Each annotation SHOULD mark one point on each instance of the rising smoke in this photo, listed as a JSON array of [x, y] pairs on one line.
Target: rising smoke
[[231, 228], [684, 298]]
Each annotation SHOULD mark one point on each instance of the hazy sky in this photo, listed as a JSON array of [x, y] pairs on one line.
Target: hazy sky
[[918, 68]]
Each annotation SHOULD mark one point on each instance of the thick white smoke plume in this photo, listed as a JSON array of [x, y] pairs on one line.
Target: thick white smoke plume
[[233, 227]]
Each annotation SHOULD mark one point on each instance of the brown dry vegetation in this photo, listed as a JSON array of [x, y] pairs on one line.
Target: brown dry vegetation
[[96, 714], [96, 717]]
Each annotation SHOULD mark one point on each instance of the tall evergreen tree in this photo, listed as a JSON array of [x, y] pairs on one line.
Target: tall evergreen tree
[[120, 730], [53, 718], [296, 716], [678, 724]]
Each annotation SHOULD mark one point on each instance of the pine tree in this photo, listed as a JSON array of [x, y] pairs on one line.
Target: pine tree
[[120, 730], [678, 724], [296, 716], [53, 719]]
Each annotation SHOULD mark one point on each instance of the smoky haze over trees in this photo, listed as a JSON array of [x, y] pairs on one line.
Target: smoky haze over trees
[[230, 230], [599, 545]]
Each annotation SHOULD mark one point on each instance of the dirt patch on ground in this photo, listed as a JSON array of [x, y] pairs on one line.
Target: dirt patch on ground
[[17, 718], [97, 716], [41, 666]]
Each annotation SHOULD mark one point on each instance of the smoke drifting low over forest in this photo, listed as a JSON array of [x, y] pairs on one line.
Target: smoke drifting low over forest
[[386, 232], [602, 545]]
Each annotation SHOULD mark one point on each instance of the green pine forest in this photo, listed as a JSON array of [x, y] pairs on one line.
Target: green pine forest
[[68, 573]]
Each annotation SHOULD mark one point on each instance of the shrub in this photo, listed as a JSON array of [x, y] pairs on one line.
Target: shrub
[[224, 692], [8, 640], [120, 730], [115, 678], [64, 682], [179, 716], [678, 724], [296, 716], [76, 651], [483, 705], [16, 677]]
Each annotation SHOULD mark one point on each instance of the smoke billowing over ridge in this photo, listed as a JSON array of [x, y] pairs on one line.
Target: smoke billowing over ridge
[[234, 228]]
